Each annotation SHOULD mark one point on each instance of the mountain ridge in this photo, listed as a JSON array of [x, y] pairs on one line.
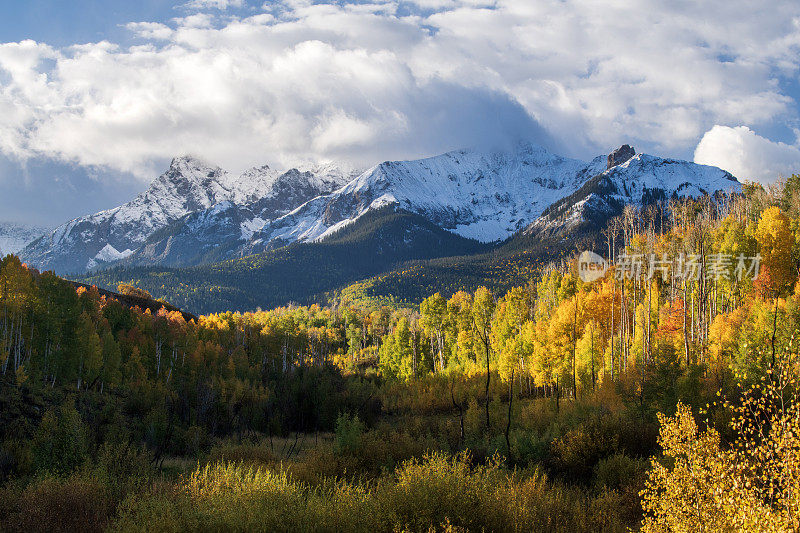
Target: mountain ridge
[[197, 213], [189, 185], [639, 179], [299, 272]]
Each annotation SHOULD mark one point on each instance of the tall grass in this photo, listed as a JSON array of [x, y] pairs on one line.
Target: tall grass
[[432, 493]]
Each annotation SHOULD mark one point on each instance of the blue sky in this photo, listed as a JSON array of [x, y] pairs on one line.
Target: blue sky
[[97, 96], [62, 23]]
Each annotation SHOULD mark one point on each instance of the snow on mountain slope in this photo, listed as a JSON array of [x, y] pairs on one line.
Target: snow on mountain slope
[[195, 213], [108, 254], [639, 179], [221, 231], [330, 175], [189, 185], [485, 196], [14, 237]]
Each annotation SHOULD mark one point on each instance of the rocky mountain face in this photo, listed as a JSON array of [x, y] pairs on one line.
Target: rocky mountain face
[[638, 179], [220, 232], [486, 196], [620, 155], [196, 213]]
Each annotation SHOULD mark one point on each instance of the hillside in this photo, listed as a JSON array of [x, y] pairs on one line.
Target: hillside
[[300, 272], [508, 265]]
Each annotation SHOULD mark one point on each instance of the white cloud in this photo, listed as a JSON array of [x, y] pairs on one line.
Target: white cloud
[[746, 155], [222, 5], [371, 81], [150, 30]]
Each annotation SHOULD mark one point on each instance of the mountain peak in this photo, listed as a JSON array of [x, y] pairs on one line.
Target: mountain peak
[[620, 155], [259, 170], [254, 183], [332, 172], [190, 166]]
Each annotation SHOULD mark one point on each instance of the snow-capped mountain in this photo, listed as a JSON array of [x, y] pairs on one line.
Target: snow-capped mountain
[[78, 245], [490, 196], [188, 186], [486, 196], [221, 231], [14, 236], [630, 178], [195, 213]]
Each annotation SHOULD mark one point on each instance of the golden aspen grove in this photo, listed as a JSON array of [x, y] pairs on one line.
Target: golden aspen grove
[[662, 396]]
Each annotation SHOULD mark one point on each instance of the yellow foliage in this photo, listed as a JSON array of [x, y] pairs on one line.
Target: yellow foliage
[[754, 485], [776, 239]]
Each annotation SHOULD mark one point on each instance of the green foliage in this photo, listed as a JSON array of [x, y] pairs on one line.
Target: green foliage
[[618, 470], [397, 353], [256, 453], [60, 445], [411, 283], [349, 431], [78, 503], [123, 468]]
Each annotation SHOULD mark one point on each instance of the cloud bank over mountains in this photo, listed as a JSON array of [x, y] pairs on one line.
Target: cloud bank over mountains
[[298, 81]]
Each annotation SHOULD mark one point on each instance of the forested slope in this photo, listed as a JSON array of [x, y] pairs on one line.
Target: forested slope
[[301, 272]]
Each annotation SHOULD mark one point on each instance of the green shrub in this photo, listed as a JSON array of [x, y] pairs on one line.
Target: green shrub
[[349, 430], [538, 414], [237, 497], [377, 451], [576, 452], [437, 489], [451, 494], [244, 452], [436, 492], [16, 459], [60, 445], [192, 440], [386, 448], [319, 465], [165, 507], [123, 469], [619, 470], [528, 447]]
